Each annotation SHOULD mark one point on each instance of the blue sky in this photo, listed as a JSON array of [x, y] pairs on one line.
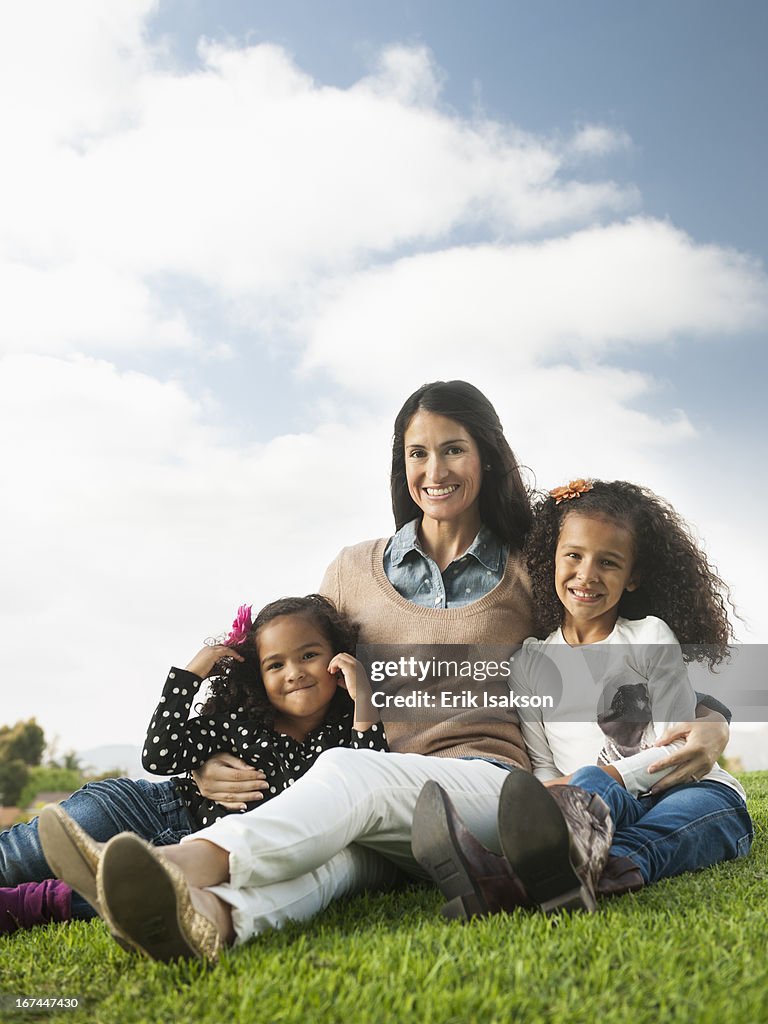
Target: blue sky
[[237, 235], [686, 81]]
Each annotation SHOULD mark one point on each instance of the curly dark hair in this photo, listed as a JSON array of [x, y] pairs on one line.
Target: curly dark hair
[[237, 686], [505, 505], [676, 581]]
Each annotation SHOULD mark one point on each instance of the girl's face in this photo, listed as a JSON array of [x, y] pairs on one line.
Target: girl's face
[[594, 564], [443, 467], [293, 657]]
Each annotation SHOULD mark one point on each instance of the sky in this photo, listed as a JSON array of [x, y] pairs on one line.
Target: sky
[[235, 236]]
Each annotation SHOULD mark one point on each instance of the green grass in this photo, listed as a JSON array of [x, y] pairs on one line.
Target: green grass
[[691, 949]]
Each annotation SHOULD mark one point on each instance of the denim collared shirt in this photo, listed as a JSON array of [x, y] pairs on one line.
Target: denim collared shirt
[[417, 578]]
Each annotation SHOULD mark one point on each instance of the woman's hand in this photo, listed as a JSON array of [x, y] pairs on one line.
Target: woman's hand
[[705, 740], [206, 658], [563, 780], [230, 781], [355, 681]]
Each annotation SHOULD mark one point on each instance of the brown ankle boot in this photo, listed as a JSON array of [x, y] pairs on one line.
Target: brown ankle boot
[[557, 840], [620, 875], [475, 881]]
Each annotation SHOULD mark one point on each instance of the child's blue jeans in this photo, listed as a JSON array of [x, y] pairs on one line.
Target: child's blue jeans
[[683, 829], [153, 810]]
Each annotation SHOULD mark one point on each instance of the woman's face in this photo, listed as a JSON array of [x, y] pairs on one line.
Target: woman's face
[[443, 467]]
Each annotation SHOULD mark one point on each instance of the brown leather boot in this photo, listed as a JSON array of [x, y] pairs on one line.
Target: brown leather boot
[[475, 881], [620, 875], [556, 839]]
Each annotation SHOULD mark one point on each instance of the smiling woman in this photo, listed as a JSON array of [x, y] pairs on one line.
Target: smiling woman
[[444, 475], [456, 411]]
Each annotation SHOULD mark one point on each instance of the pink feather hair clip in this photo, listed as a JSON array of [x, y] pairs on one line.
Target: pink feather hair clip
[[241, 627]]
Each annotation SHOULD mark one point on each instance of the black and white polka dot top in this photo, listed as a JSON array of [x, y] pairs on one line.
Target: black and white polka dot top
[[177, 743]]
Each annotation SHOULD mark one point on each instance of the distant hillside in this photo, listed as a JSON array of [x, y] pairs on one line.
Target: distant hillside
[[749, 746], [122, 756]]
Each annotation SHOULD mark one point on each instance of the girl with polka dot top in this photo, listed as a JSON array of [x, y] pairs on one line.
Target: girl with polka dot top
[[283, 693], [283, 688]]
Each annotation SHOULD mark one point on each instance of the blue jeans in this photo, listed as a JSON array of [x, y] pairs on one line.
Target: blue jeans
[[153, 810], [683, 829]]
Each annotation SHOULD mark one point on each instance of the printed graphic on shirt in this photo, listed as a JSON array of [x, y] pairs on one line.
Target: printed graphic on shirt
[[624, 714]]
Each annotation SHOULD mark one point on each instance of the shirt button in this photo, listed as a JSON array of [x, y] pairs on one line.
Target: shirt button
[[437, 600], [468, 590]]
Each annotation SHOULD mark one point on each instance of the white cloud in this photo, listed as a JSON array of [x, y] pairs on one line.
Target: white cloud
[[78, 306], [68, 72], [640, 282], [597, 140], [408, 75], [133, 529], [244, 176]]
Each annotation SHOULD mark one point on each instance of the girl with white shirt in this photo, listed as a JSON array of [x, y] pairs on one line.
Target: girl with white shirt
[[620, 583]]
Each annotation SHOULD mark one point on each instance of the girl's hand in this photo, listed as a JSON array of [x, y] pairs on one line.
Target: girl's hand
[[354, 680], [230, 782], [207, 656], [346, 669], [705, 740]]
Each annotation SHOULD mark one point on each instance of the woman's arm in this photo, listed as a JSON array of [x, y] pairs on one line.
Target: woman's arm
[[692, 746], [229, 781], [705, 740]]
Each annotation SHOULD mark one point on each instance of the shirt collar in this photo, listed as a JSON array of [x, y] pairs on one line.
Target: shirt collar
[[405, 540], [486, 547]]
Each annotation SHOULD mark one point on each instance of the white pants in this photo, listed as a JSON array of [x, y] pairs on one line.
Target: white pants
[[343, 827]]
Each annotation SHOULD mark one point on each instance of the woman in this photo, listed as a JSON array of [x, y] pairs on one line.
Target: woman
[[451, 574]]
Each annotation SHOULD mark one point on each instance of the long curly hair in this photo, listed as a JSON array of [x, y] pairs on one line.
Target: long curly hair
[[237, 687], [676, 581], [505, 505]]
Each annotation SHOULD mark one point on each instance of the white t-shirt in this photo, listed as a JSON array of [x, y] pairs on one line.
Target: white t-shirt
[[611, 701]]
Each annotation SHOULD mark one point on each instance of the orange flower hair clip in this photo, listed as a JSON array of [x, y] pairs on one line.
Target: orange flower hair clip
[[574, 489]]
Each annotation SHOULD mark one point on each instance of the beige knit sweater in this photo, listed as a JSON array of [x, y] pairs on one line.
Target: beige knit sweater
[[357, 584]]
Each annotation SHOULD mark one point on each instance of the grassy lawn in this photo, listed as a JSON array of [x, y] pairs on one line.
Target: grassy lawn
[[692, 949]]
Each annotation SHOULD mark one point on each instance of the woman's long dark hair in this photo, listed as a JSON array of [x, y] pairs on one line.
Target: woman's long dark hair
[[237, 688], [504, 500], [676, 582]]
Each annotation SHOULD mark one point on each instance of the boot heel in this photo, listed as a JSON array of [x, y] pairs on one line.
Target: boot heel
[[463, 907], [574, 899], [556, 839]]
